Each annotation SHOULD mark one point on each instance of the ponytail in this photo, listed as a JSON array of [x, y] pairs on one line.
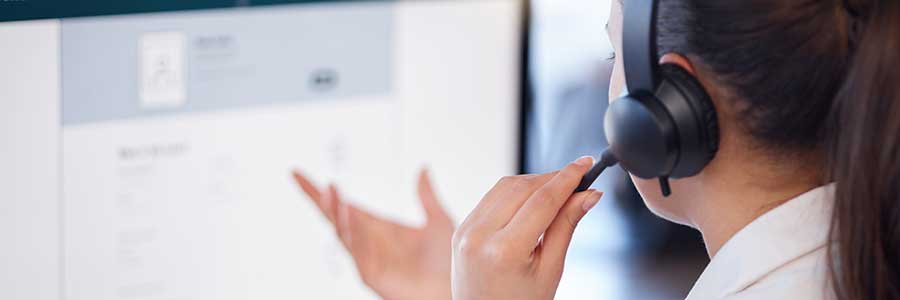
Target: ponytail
[[863, 139]]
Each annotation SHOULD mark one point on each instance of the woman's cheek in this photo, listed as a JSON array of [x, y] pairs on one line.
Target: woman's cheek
[[617, 81]]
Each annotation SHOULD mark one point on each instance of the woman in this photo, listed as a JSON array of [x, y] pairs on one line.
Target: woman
[[800, 202]]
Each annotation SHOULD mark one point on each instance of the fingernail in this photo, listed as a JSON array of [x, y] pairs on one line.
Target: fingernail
[[585, 161], [591, 201]]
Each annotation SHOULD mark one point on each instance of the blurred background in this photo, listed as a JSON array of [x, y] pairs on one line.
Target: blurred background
[[148, 145]]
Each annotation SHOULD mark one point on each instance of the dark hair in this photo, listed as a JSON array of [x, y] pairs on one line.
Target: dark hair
[[813, 76]]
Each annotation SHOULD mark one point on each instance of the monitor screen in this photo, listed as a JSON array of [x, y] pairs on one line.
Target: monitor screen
[[147, 155]]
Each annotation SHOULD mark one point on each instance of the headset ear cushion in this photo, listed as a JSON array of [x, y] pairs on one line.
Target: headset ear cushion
[[700, 102]]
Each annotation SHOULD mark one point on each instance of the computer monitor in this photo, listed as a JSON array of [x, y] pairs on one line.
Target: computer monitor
[[146, 149]]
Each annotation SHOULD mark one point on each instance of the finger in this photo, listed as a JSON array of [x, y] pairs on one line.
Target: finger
[[559, 235], [342, 226], [352, 234], [502, 212], [430, 203], [487, 200], [530, 222], [309, 188], [306, 185], [507, 195], [365, 232], [331, 203]]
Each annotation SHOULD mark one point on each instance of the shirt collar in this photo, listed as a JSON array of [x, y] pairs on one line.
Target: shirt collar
[[794, 229]]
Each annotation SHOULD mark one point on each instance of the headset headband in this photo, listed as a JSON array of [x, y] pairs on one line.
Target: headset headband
[[639, 46]]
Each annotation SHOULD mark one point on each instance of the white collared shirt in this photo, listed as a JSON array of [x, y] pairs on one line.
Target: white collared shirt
[[780, 255]]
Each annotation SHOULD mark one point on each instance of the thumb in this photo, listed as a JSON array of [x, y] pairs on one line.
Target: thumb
[[428, 198], [558, 236]]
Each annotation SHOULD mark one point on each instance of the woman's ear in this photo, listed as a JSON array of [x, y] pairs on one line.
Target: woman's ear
[[680, 60]]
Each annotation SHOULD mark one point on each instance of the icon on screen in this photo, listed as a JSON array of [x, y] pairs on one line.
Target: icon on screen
[[323, 80], [162, 70]]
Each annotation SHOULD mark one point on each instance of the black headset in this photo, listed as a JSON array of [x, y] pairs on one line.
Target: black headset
[[666, 126]]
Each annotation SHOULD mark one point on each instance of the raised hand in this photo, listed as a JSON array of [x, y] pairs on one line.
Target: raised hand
[[398, 262]]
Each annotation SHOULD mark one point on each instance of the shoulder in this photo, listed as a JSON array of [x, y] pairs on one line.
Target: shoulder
[[780, 255], [803, 278]]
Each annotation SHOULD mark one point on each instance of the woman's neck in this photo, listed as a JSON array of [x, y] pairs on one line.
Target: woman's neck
[[730, 203]]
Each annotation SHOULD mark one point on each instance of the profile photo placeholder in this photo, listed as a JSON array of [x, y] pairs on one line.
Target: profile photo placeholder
[[162, 70]]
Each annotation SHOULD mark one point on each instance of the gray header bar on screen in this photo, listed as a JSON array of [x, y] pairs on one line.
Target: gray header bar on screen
[[122, 67]]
